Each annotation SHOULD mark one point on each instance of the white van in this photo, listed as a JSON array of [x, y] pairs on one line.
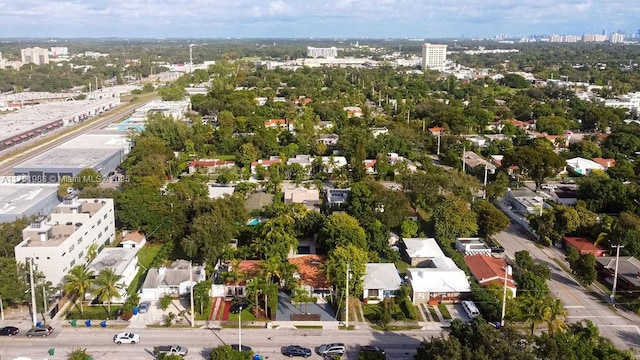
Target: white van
[[471, 309]]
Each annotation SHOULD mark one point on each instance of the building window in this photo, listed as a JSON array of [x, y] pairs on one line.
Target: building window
[[37, 258], [48, 257], [105, 216], [63, 254], [73, 262], [71, 248], [81, 254], [80, 240], [99, 235], [106, 228], [99, 221]]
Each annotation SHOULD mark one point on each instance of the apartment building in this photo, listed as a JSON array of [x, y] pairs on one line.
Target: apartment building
[[434, 56], [60, 241], [36, 55], [313, 52]]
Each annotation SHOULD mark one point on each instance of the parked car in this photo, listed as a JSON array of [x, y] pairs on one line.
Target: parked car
[[295, 350], [497, 249], [144, 307], [126, 338], [40, 331], [373, 349], [170, 350], [237, 306], [240, 347], [9, 331], [332, 349]]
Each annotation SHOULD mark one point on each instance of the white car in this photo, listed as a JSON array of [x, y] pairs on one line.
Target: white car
[[126, 338]]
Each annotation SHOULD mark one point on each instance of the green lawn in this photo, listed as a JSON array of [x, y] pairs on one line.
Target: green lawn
[[145, 259], [247, 315], [433, 313], [444, 311], [224, 157]]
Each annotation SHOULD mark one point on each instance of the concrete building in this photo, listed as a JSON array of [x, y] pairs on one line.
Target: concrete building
[[419, 252], [443, 281], [583, 166], [38, 120], [313, 52], [616, 38], [175, 109], [176, 280], [337, 197], [100, 151], [472, 246], [59, 51], [434, 56], [524, 201], [301, 195], [60, 241], [36, 55], [21, 199], [381, 281], [123, 262], [594, 38]]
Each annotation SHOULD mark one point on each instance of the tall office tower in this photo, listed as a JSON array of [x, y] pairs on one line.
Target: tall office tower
[[434, 56], [35, 55]]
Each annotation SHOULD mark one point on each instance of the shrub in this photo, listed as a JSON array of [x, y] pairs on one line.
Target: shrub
[[165, 301], [227, 353]]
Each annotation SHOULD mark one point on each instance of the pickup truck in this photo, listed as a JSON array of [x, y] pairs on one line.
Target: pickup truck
[[169, 350]]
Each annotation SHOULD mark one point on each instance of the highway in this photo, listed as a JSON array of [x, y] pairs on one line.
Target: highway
[[47, 143], [618, 325], [99, 342]]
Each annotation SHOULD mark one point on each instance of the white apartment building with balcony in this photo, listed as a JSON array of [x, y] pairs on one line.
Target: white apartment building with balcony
[[36, 55], [434, 56], [60, 241]]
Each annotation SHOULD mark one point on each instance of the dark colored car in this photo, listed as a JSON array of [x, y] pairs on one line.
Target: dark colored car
[[295, 350], [9, 331], [372, 349], [40, 331], [237, 306], [240, 347], [497, 249]]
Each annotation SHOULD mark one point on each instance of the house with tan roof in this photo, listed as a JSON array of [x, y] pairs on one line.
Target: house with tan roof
[[489, 270], [133, 239]]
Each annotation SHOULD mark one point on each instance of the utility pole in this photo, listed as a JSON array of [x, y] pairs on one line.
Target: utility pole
[[347, 304], [484, 195], [438, 152], [33, 292], [240, 329], [191, 292], [615, 272], [507, 272], [44, 299], [464, 151], [1, 309]]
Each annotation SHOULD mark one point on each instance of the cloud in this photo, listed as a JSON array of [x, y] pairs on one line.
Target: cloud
[[390, 17]]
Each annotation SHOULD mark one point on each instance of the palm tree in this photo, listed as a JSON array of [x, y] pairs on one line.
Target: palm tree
[[107, 287], [610, 231], [77, 283], [555, 313], [531, 310]]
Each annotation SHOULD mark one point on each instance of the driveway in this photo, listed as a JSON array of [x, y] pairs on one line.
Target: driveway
[[286, 309]]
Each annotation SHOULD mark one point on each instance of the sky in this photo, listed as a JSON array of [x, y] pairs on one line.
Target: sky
[[313, 18]]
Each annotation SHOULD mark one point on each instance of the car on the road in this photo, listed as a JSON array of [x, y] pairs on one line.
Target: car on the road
[[240, 347], [40, 331], [497, 249], [144, 307], [295, 350], [371, 349], [9, 331], [126, 338], [160, 351], [331, 349], [238, 305]]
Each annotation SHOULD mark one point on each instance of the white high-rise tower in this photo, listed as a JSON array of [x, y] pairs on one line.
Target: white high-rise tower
[[434, 56]]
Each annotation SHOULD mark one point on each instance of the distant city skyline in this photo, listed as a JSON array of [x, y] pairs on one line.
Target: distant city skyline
[[313, 18]]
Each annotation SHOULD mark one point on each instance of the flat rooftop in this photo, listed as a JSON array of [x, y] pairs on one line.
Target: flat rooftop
[[99, 139], [20, 121], [116, 259], [35, 95], [18, 198], [66, 158]]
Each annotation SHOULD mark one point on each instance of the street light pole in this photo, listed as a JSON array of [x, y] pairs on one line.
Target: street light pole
[[191, 291], [507, 272], [240, 329], [1, 309], [615, 272], [33, 292], [347, 303]]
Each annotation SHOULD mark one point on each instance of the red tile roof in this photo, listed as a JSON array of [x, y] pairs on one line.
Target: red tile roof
[[309, 269], [210, 163], [275, 122], [583, 244], [605, 162], [485, 267], [436, 130], [248, 268], [265, 162]]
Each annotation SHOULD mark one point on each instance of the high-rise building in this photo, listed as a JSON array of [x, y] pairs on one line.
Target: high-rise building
[[434, 56], [59, 51], [314, 52], [616, 38], [35, 55], [594, 38]]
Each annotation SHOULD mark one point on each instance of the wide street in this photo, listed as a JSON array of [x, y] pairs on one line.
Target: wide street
[[618, 325], [266, 342]]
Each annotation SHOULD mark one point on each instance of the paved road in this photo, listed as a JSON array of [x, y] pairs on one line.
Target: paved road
[[119, 113], [618, 325], [99, 343]]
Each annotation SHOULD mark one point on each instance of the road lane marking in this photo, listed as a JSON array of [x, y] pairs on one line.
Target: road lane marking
[[575, 307]]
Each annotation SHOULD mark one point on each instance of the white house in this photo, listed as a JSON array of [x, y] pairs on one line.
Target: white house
[[472, 246], [331, 163], [329, 139], [377, 131], [420, 251], [583, 166], [381, 281], [444, 281], [175, 280], [133, 239], [59, 242], [337, 197], [123, 262]]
